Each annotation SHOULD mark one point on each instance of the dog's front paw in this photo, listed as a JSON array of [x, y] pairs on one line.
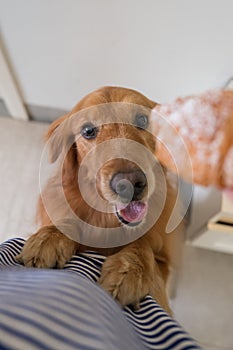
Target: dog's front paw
[[47, 248], [124, 277]]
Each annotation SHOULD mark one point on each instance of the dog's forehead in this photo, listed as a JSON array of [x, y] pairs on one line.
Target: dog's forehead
[[115, 112]]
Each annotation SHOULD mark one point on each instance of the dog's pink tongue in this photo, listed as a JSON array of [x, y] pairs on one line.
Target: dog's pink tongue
[[134, 211]]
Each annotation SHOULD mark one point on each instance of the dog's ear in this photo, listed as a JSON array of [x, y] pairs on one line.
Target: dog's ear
[[59, 136], [62, 140]]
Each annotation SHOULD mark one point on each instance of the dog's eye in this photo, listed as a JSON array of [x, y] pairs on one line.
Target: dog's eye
[[141, 121], [89, 131]]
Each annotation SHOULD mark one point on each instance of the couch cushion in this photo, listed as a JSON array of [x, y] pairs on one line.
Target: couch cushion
[[21, 144]]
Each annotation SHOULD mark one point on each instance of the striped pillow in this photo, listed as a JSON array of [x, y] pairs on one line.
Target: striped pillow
[[64, 309]]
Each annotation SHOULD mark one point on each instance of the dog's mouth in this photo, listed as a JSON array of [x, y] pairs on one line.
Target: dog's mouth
[[133, 213]]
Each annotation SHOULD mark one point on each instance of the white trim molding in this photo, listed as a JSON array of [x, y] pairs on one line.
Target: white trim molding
[[9, 91]]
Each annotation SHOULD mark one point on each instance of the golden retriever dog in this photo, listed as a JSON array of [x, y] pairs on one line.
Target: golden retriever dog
[[109, 179]]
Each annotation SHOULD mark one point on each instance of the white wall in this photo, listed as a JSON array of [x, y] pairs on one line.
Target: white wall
[[62, 49]]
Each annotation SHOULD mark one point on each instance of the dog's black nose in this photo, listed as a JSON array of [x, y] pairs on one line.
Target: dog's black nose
[[130, 185]]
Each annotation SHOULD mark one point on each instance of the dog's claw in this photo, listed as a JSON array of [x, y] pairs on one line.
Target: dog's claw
[[48, 248], [124, 279]]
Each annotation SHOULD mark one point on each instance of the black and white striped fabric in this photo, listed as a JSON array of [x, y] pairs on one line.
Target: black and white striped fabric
[[64, 309]]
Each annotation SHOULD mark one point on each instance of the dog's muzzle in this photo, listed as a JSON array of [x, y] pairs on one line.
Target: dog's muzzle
[[130, 188]]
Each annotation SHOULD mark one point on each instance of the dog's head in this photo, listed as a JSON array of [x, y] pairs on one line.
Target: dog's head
[[109, 151]]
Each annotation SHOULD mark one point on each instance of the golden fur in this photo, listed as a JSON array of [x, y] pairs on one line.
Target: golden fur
[[130, 271]]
